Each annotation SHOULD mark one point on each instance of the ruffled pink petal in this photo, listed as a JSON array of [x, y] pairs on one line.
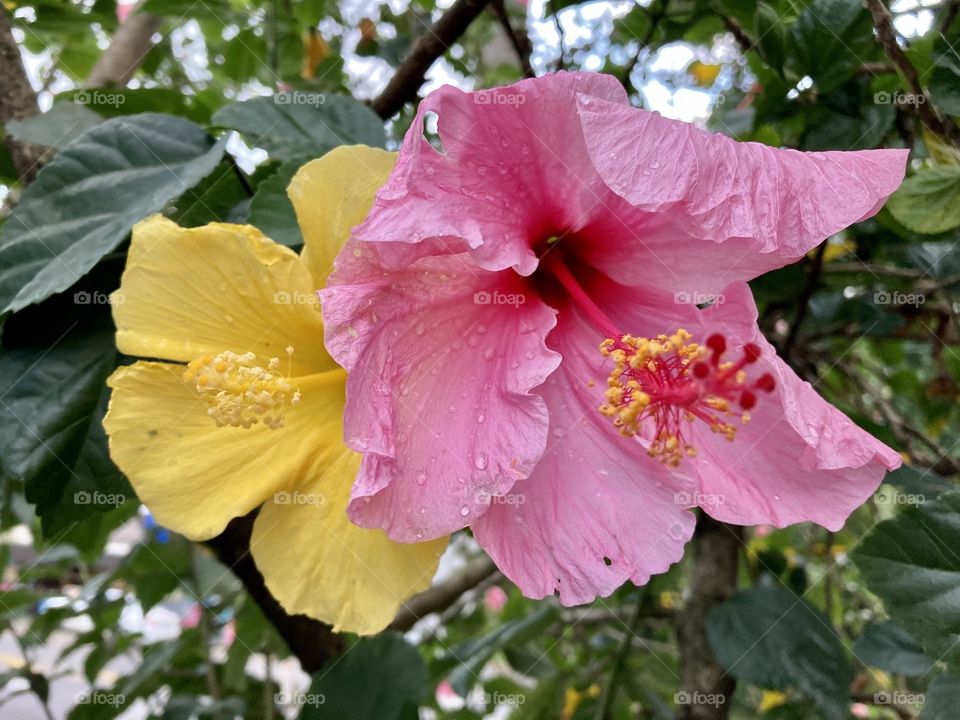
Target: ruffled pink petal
[[441, 359], [513, 170], [596, 511], [707, 210], [799, 458]]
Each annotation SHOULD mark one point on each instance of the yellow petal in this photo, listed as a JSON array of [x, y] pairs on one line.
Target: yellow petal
[[332, 195], [316, 562], [194, 476], [189, 292]]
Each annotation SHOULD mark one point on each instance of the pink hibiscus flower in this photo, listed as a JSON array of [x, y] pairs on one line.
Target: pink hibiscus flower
[[519, 319]]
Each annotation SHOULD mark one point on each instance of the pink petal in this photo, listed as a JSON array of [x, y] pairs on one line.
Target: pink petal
[[513, 171], [799, 458], [597, 510], [708, 210], [438, 389]]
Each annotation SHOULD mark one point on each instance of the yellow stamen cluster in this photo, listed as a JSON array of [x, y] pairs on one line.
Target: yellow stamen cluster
[[241, 392], [651, 381]]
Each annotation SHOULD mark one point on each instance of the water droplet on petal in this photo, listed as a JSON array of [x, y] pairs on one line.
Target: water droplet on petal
[[421, 477], [480, 461], [464, 511]]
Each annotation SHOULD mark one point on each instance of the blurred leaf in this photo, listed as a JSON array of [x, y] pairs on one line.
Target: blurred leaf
[[271, 210], [83, 204], [56, 128], [912, 564], [888, 646], [830, 40], [942, 699], [379, 678], [929, 202], [301, 124], [770, 637], [472, 655]]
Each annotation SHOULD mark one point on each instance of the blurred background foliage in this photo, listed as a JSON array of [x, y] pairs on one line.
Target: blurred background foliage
[[203, 109]]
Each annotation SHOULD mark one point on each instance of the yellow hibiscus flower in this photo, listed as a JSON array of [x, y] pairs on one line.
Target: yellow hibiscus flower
[[242, 406]]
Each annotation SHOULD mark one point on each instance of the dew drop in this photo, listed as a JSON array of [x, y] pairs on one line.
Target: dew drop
[[481, 418], [480, 461], [423, 511], [452, 409], [464, 511], [473, 341], [421, 477], [418, 329], [488, 354]]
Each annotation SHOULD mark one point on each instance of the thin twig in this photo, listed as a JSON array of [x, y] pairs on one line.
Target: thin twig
[[518, 38], [803, 302], [929, 115]]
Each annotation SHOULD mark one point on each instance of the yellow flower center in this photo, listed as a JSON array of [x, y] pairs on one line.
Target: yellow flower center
[[239, 391]]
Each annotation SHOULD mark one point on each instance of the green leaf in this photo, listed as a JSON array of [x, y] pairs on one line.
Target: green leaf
[[830, 40], [56, 128], [472, 655], [770, 637], [889, 647], [379, 678], [271, 210], [83, 204], [942, 699], [302, 124], [51, 437], [912, 563], [928, 202]]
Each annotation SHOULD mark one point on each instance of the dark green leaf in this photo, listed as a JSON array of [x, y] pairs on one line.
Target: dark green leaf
[[929, 202], [271, 210], [770, 637], [913, 563], [56, 128], [84, 202], [942, 699], [301, 124], [830, 40], [889, 647], [379, 678]]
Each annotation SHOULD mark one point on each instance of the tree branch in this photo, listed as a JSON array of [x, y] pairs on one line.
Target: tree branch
[[442, 595], [939, 124], [312, 641], [713, 580], [430, 46], [17, 101], [126, 52]]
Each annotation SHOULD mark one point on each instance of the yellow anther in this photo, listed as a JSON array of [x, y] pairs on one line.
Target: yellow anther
[[239, 391]]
